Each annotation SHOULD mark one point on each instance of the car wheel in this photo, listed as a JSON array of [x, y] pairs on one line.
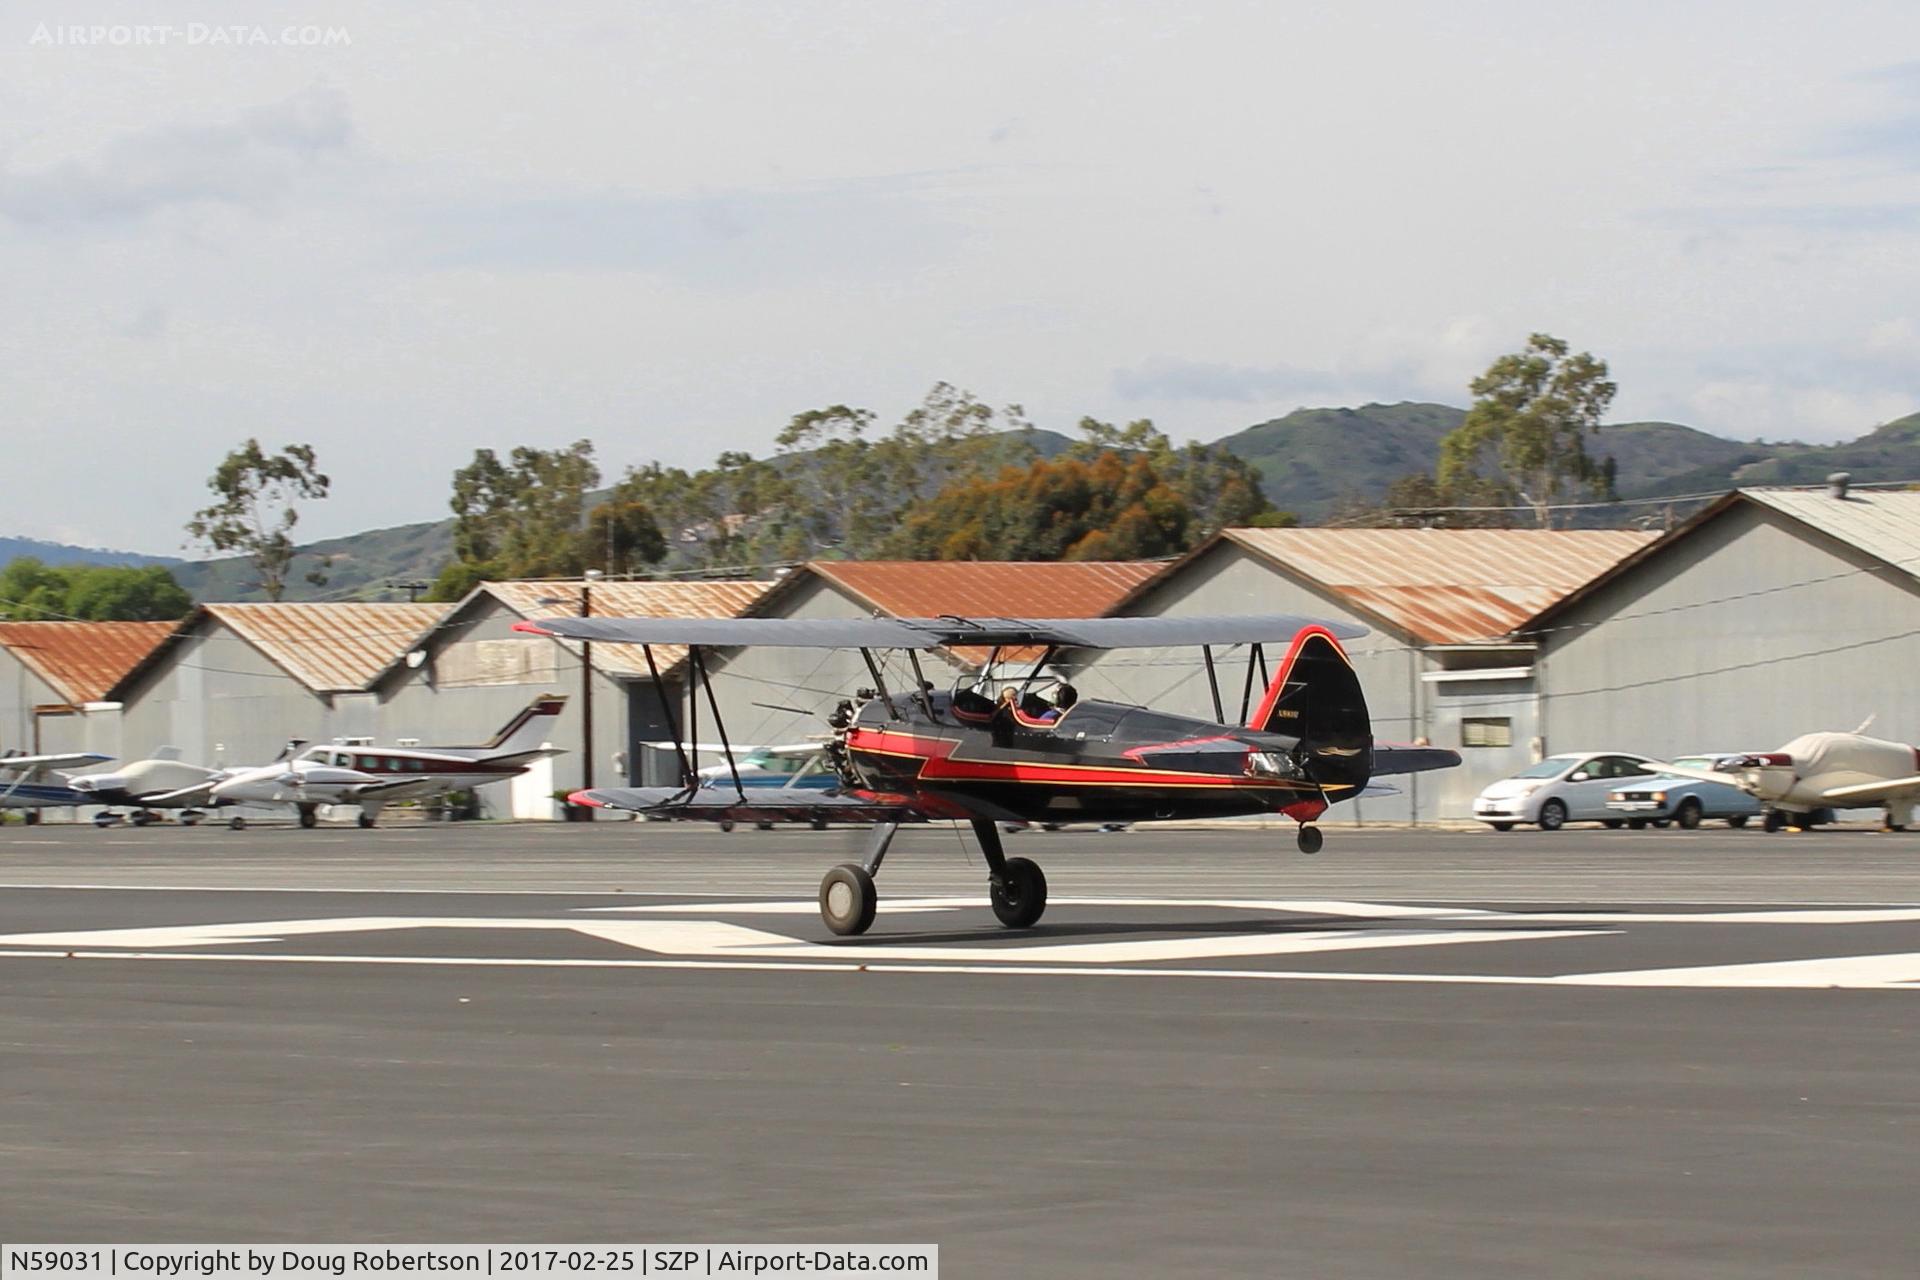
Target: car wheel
[[1553, 815], [1501, 826], [1687, 816], [1736, 820]]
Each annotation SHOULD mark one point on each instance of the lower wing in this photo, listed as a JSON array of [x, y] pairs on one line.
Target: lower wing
[[760, 804]]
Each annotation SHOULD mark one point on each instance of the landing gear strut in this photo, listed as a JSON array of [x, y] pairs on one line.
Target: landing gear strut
[[848, 899], [1017, 886], [1310, 839], [309, 815]]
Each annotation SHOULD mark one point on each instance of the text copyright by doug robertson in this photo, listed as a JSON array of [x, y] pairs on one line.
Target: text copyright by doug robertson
[[548, 1261]]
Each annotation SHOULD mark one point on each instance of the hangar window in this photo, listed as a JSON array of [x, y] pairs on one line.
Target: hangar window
[[1486, 731]]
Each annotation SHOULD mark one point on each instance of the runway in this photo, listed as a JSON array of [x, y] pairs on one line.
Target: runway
[[1591, 1053]]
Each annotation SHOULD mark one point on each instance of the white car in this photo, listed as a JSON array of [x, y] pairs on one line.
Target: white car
[[1561, 789]]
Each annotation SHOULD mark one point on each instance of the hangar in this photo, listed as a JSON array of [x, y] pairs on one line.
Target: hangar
[[1440, 664], [472, 672], [231, 683], [54, 677], [1771, 613]]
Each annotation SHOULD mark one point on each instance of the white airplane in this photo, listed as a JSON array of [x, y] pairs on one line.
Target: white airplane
[[372, 777], [799, 766], [162, 781], [1817, 772], [22, 787]]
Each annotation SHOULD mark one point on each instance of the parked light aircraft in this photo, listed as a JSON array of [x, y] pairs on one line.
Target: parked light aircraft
[[1821, 771], [162, 781], [1029, 749], [372, 777], [23, 784], [781, 766]]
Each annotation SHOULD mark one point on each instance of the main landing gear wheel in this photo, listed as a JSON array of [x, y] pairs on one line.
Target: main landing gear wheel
[[1773, 821], [140, 818], [1019, 893], [236, 823], [1310, 839], [848, 899], [366, 820], [309, 815], [105, 819]]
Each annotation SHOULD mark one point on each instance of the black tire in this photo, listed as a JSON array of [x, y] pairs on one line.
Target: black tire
[[367, 820], [1773, 821], [1501, 826], [1687, 816], [1553, 815], [848, 900], [309, 816], [1661, 824], [1613, 824], [1736, 820], [236, 823], [763, 826], [103, 820], [1019, 894], [726, 824], [1636, 824], [140, 818], [1310, 839], [817, 822]]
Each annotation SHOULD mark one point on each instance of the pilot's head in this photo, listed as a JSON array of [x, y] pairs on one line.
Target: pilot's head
[[1065, 696]]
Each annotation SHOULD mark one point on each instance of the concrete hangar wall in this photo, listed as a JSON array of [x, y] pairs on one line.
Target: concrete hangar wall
[[1770, 614]]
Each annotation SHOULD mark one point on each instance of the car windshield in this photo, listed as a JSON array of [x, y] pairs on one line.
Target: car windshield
[[1545, 769]]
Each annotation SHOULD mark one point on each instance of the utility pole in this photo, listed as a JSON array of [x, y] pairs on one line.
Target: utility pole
[[586, 688]]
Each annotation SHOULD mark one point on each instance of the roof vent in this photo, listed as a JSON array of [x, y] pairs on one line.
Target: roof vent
[[1837, 485]]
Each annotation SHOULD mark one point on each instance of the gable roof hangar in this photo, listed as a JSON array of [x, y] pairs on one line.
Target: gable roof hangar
[[81, 661], [1433, 586], [560, 598], [1883, 524], [328, 646]]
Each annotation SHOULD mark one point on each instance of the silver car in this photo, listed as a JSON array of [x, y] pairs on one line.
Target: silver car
[[1560, 789]]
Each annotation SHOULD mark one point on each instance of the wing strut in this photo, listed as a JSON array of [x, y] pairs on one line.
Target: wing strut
[[880, 685], [687, 777], [920, 688], [1213, 683], [1254, 654], [699, 664]]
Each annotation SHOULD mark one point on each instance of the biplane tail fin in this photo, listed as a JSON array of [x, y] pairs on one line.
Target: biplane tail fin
[[1315, 696]]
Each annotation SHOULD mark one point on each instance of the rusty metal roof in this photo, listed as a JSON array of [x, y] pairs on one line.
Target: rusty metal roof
[[82, 660], [1445, 586], [987, 588], [329, 647], [622, 599]]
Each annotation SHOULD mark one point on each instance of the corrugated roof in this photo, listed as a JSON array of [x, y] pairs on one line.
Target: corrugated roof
[[1884, 523], [329, 647], [1446, 586], [82, 660], [703, 599], [988, 588]]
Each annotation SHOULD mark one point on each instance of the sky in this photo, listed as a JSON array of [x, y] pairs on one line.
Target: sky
[[401, 232]]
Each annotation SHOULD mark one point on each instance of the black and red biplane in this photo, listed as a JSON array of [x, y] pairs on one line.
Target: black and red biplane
[[1026, 748]]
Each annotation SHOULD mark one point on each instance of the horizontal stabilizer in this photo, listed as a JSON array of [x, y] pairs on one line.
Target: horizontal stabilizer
[[1390, 759], [761, 804]]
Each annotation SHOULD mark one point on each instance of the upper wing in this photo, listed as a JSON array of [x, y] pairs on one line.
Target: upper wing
[[741, 750], [933, 633], [1868, 792], [764, 804], [62, 760]]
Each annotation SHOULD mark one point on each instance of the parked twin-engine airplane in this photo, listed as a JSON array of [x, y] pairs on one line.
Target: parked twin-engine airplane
[[1029, 749], [1821, 771], [373, 777], [162, 781]]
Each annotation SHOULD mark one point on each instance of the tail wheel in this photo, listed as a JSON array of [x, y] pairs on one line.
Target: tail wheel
[[1553, 815], [848, 900], [1687, 816], [1019, 893]]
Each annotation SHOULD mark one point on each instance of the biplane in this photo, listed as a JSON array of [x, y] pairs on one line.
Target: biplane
[[1023, 746]]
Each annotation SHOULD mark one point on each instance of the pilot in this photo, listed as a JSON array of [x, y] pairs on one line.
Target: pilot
[[1065, 696]]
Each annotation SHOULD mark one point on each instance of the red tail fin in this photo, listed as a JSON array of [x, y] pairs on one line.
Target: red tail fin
[[1285, 706]]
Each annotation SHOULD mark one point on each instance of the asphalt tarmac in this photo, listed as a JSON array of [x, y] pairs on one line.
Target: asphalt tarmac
[[1592, 1053]]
